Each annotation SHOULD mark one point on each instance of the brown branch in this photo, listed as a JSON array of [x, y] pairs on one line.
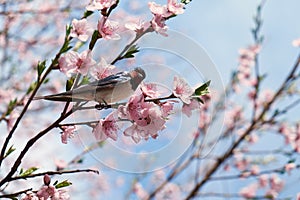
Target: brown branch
[[12, 195], [54, 173], [253, 125]]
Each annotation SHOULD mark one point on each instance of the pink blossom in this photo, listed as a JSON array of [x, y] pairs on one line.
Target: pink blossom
[[158, 9], [188, 108], [30, 196], [68, 132], [167, 108], [276, 183], [241, 163], [288, 167], [102, 70], [263, 180], [107, 128], [169, 191], [146, 116], [175, 8], [254, 170], [47, 191], [73, 62], [139, 27], [100, 4], [159, 25], [47, 179], [81, 29], [107, 29], [298, 196], [150, 90], [296, 43], [182, 90], [249, 191], [60, 164], [140, 192]]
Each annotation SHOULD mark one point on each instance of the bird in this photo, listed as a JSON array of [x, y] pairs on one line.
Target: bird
[[110, 89]]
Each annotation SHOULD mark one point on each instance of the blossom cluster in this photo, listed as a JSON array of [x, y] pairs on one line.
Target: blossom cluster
[[47, 192], [147, 117]]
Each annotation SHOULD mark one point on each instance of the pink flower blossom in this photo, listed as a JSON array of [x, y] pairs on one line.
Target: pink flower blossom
[[81, 29], [60, 164], [102, 70], [276, 183], [48, 191], [188, 108], [169, 191], [107, 128], [182, 90], [298, 196], [289, 167], [249, 191], [158, 9], [175, 7], [159, 25], [146, 116], [47, 179], [167, 108], [263, 180], [73, 62], [12, 118], [30, 196], [140, 192], [150, 90], [107, 29], [254, 170], [68, 132], [296, 43], [137, 27], [100, 4]]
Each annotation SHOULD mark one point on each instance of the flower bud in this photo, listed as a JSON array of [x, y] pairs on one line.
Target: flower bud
[[47, 179]]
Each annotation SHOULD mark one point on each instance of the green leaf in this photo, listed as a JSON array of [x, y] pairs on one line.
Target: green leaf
[[87, 13], [203, 89], [70, 83], [40, 68], [9, 151], [85, 80], [31, 87], [186, 1], [62, 184], [132, 50], [29, 171], [12, 104]]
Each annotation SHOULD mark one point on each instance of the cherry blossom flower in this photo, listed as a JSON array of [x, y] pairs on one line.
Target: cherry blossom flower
[[158, 9], [169, 191], [107, 29], [100, 4], [249, 191], [68, 132], [30, 196], [276, 183], [81, 29], [159, 25], [139, 27], [150, 90], [60, 164], [289, 167], [175, 7], [263, 180], [73, 62], [296, 43], [182, 90], [48, 191], [188, 108], [167, 108], [147, 118], [140, 192], [102, 69], [107, 128]]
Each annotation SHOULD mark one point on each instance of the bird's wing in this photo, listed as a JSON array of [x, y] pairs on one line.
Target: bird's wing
[[111, 80]]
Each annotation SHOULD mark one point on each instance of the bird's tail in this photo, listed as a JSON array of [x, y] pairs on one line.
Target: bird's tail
[[65, 96]]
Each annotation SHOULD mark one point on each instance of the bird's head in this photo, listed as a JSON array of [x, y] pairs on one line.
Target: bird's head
[[137, 76]]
